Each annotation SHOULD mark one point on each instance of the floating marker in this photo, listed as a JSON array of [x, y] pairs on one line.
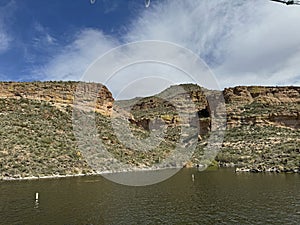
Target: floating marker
[[36, 196]]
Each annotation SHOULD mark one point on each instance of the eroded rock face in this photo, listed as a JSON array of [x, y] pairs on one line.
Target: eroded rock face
[[291, 120], [237, 95], [268, 95], [167, 105], [245, 105], [258, 105], [262, 123], [58, 93]]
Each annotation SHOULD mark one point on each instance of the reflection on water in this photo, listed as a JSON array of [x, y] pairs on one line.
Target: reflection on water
[[214, 197]]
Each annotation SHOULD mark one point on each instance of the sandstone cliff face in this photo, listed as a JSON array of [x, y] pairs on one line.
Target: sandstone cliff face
[[269, 95], [258, 105], [167, 105], [60, 94], [246, 105], [253, 105]]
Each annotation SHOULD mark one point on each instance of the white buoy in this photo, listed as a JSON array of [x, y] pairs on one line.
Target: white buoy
[[193, 177], [36, 196]]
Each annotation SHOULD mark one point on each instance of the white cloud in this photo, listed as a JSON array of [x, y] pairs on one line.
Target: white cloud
[[4, 41], [42, 37], [5, 37], [202, 26], [71, 62], [268, 50], [244, 42], [144, 79]]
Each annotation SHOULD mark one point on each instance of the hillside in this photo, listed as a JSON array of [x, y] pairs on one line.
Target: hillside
[[37, 138], [262, 131], [36, 129], [263, 128]]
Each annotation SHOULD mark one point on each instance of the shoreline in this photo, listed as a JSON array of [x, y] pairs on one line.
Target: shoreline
[[46, 177], [235, 170], [269, 170], [82, 175]]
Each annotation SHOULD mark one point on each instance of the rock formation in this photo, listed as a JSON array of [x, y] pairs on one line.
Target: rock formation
[[37, 139]]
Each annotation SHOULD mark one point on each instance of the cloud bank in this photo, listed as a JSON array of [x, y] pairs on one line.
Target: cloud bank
[[243, 42], [72, 60]]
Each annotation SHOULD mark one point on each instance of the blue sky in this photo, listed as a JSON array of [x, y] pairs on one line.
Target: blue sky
[[37, 30], [243, 42]]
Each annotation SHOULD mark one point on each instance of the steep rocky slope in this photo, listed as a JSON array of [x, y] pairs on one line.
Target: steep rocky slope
[[37, 139], [263, 124], [263, 128], [278, 106], [36, 128]]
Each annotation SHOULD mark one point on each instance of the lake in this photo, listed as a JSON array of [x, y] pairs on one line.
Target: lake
[[214, 197]]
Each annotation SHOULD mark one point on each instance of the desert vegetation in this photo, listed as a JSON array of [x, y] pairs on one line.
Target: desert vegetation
[[37, 137]]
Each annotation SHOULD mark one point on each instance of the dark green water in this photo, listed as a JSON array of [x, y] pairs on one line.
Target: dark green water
[[215, 197]]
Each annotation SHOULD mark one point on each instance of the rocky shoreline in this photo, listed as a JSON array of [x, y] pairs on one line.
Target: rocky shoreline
[[94, 173], [18, 178], [236, 170], [260, 169], [271, 170]]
